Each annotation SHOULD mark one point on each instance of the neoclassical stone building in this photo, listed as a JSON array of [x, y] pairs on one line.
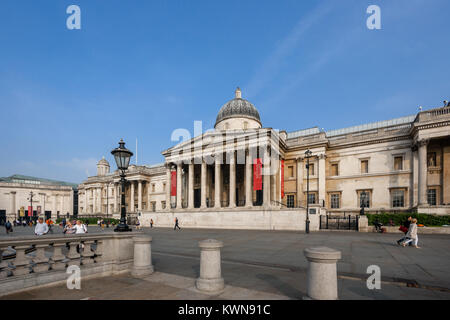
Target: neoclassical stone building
[[51, 199], [244, 175]]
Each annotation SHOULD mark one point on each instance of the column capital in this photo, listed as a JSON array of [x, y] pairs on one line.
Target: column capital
[[322, 156], [423, 142]]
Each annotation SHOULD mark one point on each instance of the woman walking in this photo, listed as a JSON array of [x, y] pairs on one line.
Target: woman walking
[[412, 234]]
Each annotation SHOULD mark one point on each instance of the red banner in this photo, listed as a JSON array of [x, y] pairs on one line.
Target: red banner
[[282, 179], [173, 183], [257, 174], [30, 211]]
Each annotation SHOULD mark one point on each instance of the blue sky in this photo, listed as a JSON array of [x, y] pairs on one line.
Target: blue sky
[[140, 69]]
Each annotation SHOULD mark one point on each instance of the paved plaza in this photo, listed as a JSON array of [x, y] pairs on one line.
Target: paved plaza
[[271, 265]]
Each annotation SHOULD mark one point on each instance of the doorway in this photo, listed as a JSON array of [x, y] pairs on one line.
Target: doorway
[[197, 198]]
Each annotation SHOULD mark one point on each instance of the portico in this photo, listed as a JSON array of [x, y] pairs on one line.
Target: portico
[[212, 181]]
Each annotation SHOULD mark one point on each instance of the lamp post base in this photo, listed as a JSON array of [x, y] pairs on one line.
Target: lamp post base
[[307, 226], [122, 228]]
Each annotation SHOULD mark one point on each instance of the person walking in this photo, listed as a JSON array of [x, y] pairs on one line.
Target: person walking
[[151, 223], [41, 227], [412, 234], [176, 224], [405, 229], [8, 227], [138, 224]]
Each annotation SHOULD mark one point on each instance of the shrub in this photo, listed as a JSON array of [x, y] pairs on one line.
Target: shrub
[[400, 218]]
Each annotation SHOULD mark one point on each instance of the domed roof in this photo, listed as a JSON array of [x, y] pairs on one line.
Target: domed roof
[[103, 161], [238, 108]]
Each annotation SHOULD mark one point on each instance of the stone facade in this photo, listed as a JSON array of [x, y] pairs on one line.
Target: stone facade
[[400, 164]]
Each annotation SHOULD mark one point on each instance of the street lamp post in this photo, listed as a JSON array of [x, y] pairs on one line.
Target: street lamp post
[[122, 156], [308, 154], [30, 214]]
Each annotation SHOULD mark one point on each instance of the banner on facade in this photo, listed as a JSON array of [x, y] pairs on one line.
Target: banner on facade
[[173, 183], [282, 178], [39, 211], [257, 174], [22, 212], [30, 211]]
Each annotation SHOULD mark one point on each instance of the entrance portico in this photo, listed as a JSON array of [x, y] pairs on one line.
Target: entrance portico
[[225, 179]]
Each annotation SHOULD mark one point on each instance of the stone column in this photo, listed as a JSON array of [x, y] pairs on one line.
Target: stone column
[[321, 172], [273, 179], [142, 263], [131, 196], [266, 177], [116, 193], [423, 172], [94, 197], [210, 280], [139, 195], [62, 205], [203, 185], [179, 186], [100, 199], [13, 203], [248, 180], [191, 185], [54, 211], [217, 183], [322, 274], [232, 181], [86, 202], [168, 181], [415, 177], [300, 166]]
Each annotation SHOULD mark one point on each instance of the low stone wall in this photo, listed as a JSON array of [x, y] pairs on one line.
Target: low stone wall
[[420, 230], [243, 219], [46, 264]]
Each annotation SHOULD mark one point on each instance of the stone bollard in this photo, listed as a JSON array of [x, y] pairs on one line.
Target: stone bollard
[[210, 280], [142, 265], [363, 224], [322, 274]]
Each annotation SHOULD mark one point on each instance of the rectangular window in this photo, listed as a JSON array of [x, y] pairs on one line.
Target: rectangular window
[[431, 195], [364, 166], [431, 159], [335, 201], [398, 163], [291, 171], [153, 204], [364, 198], [163, 204], [312, 198], [398, 198], [334, 169], [290, 201]]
